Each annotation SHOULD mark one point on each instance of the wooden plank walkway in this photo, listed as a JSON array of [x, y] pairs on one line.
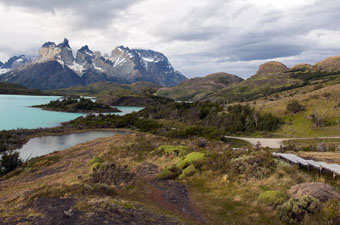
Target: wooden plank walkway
[[333, 168]]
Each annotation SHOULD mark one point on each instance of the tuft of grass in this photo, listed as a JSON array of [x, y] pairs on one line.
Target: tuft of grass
[[272, 198], [96, 159]]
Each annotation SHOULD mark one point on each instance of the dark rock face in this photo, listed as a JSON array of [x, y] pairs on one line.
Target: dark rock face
[[144, 65], [49, 44], [44, 76], [64, 44], [84, 55]]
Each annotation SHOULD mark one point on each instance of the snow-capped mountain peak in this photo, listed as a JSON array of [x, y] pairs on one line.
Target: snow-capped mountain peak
[[125, 65], [15, 62]]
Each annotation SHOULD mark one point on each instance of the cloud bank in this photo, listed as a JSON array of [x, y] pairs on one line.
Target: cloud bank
[[198, 36]]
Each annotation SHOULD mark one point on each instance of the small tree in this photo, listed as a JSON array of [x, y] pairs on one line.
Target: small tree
[[294, 107], [9, 161], [318, 118]]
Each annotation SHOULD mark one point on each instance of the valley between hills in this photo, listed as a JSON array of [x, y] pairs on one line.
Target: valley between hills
[[176, 162]]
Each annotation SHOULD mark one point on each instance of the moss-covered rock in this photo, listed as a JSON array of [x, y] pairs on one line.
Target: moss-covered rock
[[174, 150], [189, 171], [167, 174], [189, 159]]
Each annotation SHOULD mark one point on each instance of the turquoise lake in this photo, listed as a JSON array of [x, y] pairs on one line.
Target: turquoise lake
[[15, 112]]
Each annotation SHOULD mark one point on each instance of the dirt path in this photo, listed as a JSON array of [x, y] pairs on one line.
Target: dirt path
[[169, 194], [273, 142]]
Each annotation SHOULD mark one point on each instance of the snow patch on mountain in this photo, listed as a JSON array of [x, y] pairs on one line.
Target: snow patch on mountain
[[77, 68], [2, 71]]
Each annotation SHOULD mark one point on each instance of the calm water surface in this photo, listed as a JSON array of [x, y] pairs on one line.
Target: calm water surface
[[15, 112], [44, 145]]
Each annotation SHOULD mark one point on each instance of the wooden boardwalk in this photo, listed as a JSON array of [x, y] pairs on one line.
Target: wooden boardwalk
[[333, 168]]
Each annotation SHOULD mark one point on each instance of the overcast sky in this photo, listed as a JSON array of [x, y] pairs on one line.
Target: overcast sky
[[198, 36]]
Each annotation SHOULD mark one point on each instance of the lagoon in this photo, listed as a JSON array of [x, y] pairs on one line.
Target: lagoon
[[44, 145], [15, 112]]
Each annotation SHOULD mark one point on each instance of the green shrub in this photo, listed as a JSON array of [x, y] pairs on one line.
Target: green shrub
[[127, 205], [189, 171], [257, 165], [331, 212], [9, 161], [294, 107], [272, 198], [94, 166], [96, 159], [189, 159], [174, 150], [166, 174], [294, 210]]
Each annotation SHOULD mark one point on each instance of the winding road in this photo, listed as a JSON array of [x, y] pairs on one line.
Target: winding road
[[272, 142]]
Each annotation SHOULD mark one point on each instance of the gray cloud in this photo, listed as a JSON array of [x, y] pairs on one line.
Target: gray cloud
[[198, 36], [89, 13]]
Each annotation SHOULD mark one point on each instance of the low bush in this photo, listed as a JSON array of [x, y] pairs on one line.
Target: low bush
[[96, 159], [331, 212], [258, 165], [294, 210], [294, 107], [9, 161]]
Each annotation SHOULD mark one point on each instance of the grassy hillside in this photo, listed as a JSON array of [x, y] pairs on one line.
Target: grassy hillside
[[271, 77], [146, 179], [199, 88], [16, 89], [320, 113]]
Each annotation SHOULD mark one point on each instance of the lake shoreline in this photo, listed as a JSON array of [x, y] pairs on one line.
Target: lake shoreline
[[44, 132], [44, 145]]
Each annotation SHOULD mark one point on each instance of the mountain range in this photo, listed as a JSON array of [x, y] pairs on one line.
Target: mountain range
[[55, 67]]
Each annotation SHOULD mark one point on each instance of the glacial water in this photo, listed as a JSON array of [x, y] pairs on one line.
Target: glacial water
[[15, 112]]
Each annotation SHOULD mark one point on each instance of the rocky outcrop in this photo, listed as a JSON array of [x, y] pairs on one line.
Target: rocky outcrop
[[61, 53], [330, 64], [271, 67], [321, 191], [301, 68]]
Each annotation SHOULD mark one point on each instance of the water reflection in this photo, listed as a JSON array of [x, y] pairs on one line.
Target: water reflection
[[44, 145]]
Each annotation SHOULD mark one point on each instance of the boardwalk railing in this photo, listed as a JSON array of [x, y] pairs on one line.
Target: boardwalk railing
[[333, 168]]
